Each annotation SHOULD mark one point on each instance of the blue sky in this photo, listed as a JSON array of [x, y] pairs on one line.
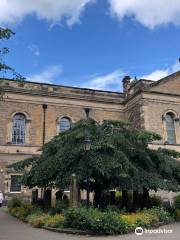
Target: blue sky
[[91, 43]]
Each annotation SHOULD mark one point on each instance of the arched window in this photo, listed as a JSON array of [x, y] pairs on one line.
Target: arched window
[[19, 129], [64, 124], [170, 128]]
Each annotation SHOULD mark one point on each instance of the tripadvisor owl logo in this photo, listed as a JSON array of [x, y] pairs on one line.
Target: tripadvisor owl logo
[[139, 231]]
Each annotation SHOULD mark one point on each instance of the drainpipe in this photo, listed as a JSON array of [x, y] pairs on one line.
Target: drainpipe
[[44, 106]]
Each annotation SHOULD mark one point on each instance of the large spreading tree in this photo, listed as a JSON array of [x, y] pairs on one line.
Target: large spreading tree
[[119, 158]]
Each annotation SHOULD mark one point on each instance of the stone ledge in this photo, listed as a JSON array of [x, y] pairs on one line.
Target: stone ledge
[[68, 231]]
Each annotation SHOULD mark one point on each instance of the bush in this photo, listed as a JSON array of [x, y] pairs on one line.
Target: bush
[[112, 224], [15, 202], [45, 220], [177, 215], [156, 201], [177, 202], [98, 222], [112, 208], [20, 209], [56, 221], [21, 212], [163, 215], [38, 220], [95, 221], [141, 219], [60, 207], [77, 218], [177, 207]]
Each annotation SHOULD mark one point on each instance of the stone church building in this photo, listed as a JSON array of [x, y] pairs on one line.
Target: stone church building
[[33, 113]]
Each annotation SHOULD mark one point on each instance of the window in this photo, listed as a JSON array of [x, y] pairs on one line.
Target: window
[[170, 128], [65, 124], [15, 183], [19, 129]]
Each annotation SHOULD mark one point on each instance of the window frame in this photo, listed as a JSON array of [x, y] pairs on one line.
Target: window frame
[[19, 125], [60, 122], [20, 185], [170, 128]]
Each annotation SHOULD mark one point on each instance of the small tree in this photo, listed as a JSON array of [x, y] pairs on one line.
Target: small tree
[[5, 34]]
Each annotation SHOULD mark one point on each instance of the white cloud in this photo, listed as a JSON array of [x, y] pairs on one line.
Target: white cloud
[[150, 13], [156, 75], [161, 73], [13, 11], [47, 75], [111, 81], [34, 49]]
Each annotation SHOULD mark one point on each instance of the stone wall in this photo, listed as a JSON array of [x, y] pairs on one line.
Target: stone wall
[[144, 105]]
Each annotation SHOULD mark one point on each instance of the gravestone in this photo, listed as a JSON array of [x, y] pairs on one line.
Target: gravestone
[[73, 192]]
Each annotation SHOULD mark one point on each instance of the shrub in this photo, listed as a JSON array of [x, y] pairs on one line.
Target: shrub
[[77, 218], [141, 219], [177, 215], [146, 220], [95, 221], [112, 208], [112, 224], [177, 202], [56, 221], [118, 197], [60, 207], [156, 201], [177, 207], [15, 202], [163, 215], [21, 210], [38, 220]]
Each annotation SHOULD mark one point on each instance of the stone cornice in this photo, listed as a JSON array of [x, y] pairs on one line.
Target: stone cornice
[[60, 91], [91, 96], [149, 92]]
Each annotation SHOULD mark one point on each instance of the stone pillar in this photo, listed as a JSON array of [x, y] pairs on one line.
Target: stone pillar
[[73, 192]]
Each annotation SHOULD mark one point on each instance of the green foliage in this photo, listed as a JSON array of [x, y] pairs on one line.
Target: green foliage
[[55, 221], [45, 220], [21, 209], [5, 34], [119, 158], [106, 222], [141, 219], [156, 201], [60, 207], [21, 212], [15, 202], [177, 202], [110, 222], [95, 221], [38, 220], [163, 215]]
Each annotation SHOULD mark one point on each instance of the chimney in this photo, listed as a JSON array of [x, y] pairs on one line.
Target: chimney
[[126, 84]]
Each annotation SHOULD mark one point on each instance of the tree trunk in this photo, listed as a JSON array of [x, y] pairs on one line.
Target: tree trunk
[[125, 200], [112, 197], [146, 198], [135, 204], [97, 197]]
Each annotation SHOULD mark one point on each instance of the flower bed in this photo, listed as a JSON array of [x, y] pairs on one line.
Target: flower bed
[[91, 220]]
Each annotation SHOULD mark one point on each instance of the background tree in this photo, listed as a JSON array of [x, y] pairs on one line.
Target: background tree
[[5, 34], [119, 159]]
